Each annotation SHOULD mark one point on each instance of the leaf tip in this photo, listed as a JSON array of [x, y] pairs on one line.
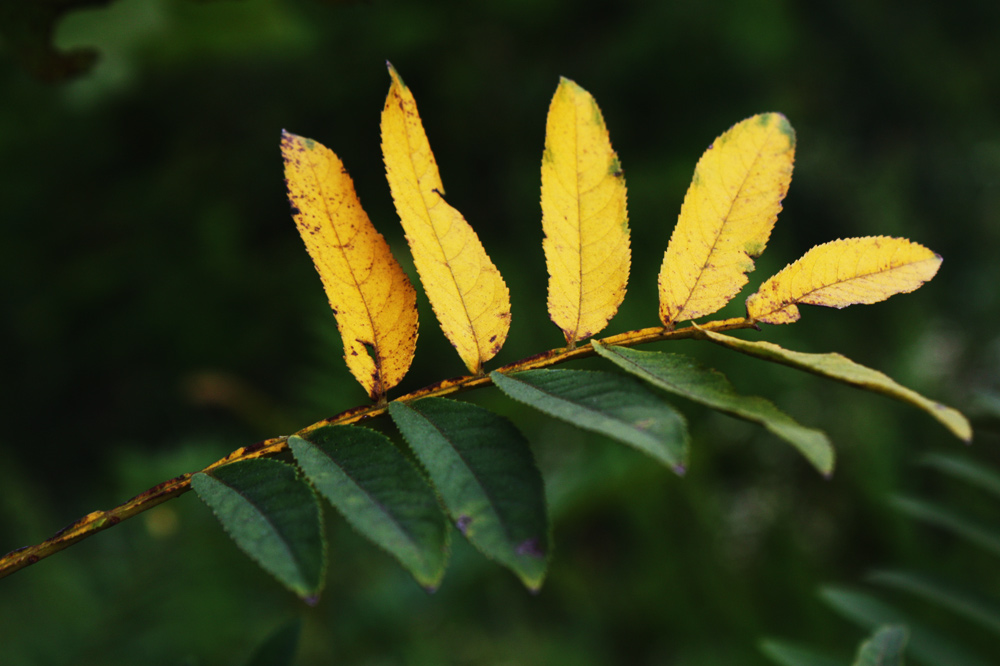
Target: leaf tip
[[396, 78], [290, 141], [781, 124], [955, 421], [566, 82]]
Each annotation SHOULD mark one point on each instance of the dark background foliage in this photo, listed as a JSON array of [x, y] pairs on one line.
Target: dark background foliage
[[159, 311]]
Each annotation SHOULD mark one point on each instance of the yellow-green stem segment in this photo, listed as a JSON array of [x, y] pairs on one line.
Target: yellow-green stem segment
[[97, 521]]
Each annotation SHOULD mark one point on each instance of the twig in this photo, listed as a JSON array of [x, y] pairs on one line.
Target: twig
[[98, 521]]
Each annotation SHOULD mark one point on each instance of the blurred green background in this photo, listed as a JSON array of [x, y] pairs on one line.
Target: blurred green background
[[159, 311]]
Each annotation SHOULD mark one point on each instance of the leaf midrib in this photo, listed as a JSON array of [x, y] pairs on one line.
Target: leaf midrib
[[795, 300], [377, 388], [725, 221], [430, 221]]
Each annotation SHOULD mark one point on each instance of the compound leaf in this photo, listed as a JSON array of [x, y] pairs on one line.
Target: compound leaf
[[727, 217], [608, 403], [841, 273], [685, 377], [273, 516], [372, 299], [583, 216], [486, 475], [380, 493], [843, 369], [465, 289]]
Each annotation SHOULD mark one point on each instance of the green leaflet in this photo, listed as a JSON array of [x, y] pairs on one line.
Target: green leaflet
[[486, 475], [843, 369], [787, 654], [273, 516], [884, 648], [380, 493], [608, 403], [925, 645], [686, 377]]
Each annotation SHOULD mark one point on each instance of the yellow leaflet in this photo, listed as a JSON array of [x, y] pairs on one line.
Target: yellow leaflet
[[373, 300], [583, 216], [465, 289], [727, 216], [841, 273]]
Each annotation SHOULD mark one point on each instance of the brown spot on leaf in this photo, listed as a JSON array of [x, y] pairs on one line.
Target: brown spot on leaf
[[257, 446], [463, 523], [531, 547]]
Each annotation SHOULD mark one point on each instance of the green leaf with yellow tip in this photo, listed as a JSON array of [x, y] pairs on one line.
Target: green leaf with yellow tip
[[843, 369]]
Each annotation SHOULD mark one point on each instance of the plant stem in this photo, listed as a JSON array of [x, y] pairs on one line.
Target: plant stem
[[98, 521]]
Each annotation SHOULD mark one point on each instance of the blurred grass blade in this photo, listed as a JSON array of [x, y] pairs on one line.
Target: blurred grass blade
[[984, 536], [273, 516], [925, 645], [280, 647], [684, 376], [486, 475], [965, 603], [884, 648], [380, 493], [843, 369], [788, 654], [604, 402], [974, 472]]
